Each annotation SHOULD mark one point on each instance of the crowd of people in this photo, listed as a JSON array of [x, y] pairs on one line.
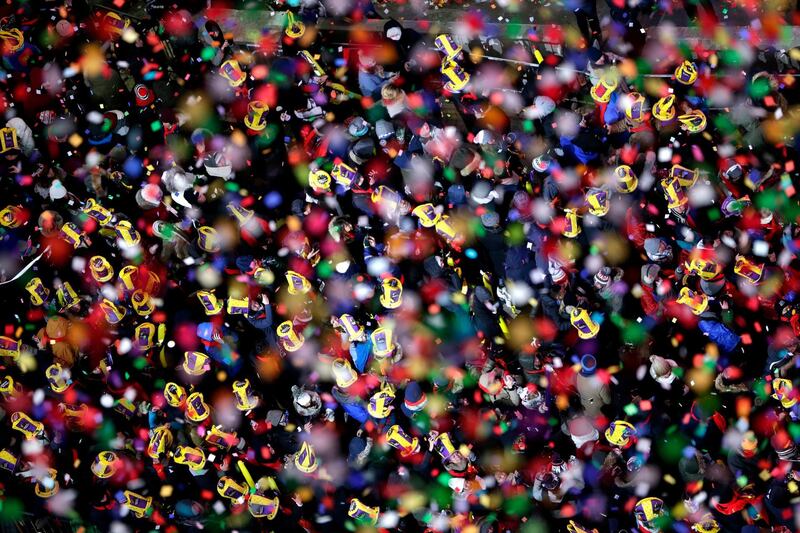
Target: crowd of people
[[401, 280]]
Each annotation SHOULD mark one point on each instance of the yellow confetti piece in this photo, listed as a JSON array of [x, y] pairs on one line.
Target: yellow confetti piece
[[93, 60], [412, 500], [679, 511]]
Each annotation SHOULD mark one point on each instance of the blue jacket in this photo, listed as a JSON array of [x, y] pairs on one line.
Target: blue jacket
[[370, 84]]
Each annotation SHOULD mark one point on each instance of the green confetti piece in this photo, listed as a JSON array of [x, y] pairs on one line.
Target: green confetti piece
[[12, 510], [671, 449], [535, 526], [168, 231], [515, 234], [324, 269], [730, 57], [442, 495], [634, 333], [724, 124], [759, 88], [517, 505], [643, 66], [268, 136], [155, 125], [664, 521], [207, 54], [630, 409]]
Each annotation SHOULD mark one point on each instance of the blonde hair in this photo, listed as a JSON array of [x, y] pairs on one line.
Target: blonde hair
[[390, 92]]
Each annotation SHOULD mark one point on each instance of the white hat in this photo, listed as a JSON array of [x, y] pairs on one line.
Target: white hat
[[217, 165], [149, 195], [57, 190], [304, 399], [541, 163], [482, 192], [556, 272], [542, 106]]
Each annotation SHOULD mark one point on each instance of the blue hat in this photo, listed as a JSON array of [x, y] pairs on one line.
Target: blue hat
[[414, 399], [490, 219], [588, 365], [456, 194]]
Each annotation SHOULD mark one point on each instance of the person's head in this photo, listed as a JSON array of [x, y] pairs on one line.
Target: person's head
[[390, 92], [304, 399], [393, 30], [657, 249], [366, 61], [550, 481], [749, 444], [456, 462], [660, 366], [603, 278], [341, 229], [50, 222]]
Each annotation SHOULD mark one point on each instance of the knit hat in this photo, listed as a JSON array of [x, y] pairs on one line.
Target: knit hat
[[650, 273], [712, 287], [734, 172], [542, 163], [217, 165], [542, 106], [456, 194], [384, 129], [557, 273], [588, 365], [482, 193], [603, 277], [362, 150], [358, 127], [490, 219], [414, 399], [149, 196], [657, 249]]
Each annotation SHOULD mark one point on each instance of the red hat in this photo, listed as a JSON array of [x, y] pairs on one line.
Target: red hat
[[144, 96]]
